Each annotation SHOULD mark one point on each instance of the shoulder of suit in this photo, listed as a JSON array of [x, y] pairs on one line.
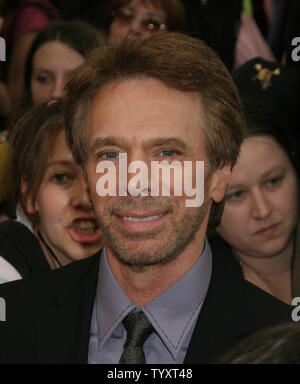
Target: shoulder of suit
[[57, 279]]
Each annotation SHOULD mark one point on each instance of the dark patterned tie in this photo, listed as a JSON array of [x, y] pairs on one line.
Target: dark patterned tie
[[138, 329]]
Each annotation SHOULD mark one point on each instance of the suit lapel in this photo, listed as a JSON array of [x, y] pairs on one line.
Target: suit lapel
[[223, 318]]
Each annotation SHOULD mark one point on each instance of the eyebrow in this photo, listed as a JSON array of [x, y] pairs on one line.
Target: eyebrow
[[265, 175], [66, 163], [235, 187], [171, 141], [132, 9], [50, 72], [107, 141], [278, 168], [127, 7], [115, 141], [41, 69], [152, 14]]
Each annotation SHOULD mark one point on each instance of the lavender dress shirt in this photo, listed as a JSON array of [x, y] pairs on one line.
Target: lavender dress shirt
[[173, 315]]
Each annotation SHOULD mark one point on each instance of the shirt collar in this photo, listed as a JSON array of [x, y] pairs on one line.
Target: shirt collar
[[112, 303], [172, 313]]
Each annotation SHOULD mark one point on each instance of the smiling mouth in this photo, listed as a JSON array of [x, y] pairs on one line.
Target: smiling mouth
[[141, 219], [141, 222]]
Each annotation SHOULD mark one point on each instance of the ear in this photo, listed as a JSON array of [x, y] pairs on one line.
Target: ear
[[218, 183], [28, 201]]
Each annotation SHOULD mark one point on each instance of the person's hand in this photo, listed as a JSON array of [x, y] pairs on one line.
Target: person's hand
[[250, 42]]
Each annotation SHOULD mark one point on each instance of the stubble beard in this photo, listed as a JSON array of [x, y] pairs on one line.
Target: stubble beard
[[159, 246]]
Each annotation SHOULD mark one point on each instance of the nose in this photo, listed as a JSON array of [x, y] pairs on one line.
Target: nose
[[138, 176], [261, 205], [80, 197], [57, 91], [135, 29]]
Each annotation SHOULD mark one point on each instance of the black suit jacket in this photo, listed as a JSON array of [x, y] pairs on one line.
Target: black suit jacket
[[48, 317]]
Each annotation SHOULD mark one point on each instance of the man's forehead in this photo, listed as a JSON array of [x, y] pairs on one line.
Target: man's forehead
[[152, 86], [144, 100]]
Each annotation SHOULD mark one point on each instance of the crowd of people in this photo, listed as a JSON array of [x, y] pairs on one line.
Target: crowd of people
[[145, 278]]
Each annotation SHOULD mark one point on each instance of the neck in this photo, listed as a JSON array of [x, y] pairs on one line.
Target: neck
[[143, 285], [272, 274], [53, 261]]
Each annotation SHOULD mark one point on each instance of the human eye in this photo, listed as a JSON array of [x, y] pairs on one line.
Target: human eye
[[61, 178], [274, 182], [234, 196], [109, 155], [43, 79], [169, 153]]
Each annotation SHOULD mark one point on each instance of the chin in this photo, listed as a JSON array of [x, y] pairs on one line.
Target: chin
[[82, 254], [76, 257], [143, 260], [144, 254], [274, 249]]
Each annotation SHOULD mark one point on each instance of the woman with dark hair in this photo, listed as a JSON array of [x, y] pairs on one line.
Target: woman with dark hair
[[261, 206], [23, 21], [57, 50], [142, 18], [50, 191]]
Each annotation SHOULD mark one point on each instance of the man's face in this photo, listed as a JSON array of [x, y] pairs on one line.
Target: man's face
[[149, 122]]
